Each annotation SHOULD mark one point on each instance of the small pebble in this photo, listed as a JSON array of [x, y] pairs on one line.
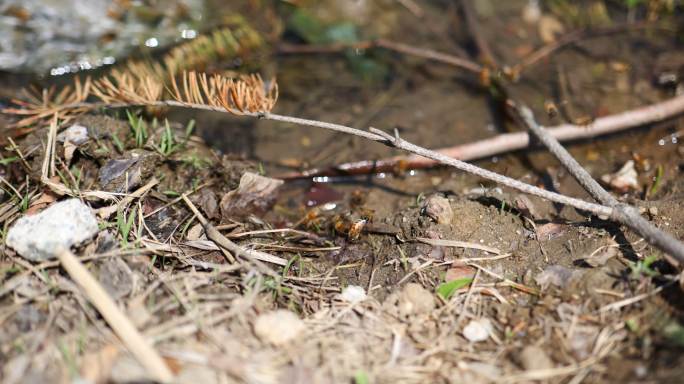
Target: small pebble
[[278, 327], [477, 330], [439, 209], [76, 134], [353, 294], [534, 358], [415, 299]]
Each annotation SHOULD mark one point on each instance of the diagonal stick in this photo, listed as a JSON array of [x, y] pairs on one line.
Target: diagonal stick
[[120, 323], [622, 213]]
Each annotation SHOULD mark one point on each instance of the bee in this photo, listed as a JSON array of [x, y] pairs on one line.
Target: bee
[[312, 218], [356, 228], [551, 109], [352, 228]]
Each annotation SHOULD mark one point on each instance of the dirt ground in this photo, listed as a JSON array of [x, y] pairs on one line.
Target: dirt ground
[[378, 285]]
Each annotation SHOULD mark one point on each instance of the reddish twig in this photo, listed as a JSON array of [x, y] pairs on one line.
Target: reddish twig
[[509, 141]]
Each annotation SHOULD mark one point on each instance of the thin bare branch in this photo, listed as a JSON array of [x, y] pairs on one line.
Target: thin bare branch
[[510, 141], [575, 37], [389, 45]]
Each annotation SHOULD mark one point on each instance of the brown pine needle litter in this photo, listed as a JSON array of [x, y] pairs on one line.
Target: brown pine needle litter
[[137, 86]]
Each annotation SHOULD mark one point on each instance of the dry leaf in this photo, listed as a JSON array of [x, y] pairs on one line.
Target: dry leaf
[[624, 179], [255, 193], [97, 367]]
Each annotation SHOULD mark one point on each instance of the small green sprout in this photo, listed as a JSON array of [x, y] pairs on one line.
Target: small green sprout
[[125, 224], [9, 160], [139, 129], [167, 144], [447, 289], [644, 267], [189, 128], [118, 144]]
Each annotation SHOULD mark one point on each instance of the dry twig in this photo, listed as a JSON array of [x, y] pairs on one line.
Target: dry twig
[[508, 142], [224, 243], [116, 319]]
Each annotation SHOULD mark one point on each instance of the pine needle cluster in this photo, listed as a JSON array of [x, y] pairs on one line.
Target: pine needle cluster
[[171, 81]]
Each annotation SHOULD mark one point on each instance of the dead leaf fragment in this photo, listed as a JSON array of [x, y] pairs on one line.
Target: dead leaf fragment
[[557, 275], [549, 231], [624, 179], [255, 193], [208, 202], [414, 299], [97, 367], [460, 272]]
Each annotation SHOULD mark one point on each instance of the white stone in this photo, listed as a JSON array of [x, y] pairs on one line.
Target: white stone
[[624, 179], [76, 134], [63, 224], [477, 330], [353, 294]]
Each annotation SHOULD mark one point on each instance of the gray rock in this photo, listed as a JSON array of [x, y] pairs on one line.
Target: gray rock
[[115, 168], [63, 224]]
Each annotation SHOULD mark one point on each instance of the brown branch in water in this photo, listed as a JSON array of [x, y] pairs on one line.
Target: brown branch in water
[[473, 24], [513, 72], [508, 142], [622, 213], [574, 38]]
